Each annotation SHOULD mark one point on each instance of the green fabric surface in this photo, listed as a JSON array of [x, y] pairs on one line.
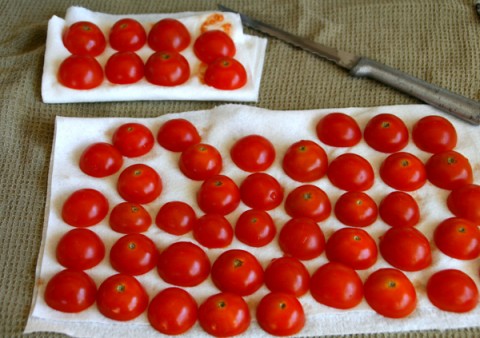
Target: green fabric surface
[[438, 41]]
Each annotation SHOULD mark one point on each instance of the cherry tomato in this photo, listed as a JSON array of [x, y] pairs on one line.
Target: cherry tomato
[[121, 297], [172, 311], [255, 228], [224, 315], [336, 285], [351, 172], [80, 72], [84, 38], [465, 202], [356, 208], [280, 314], [100, 160], [302, 238], [133, 139], [406, 248], [183, 264], [177, 135], [434, 134], [134, 254], [84, 208], [237, 271], [212, 45], [124, 68], [168, 35], [386, 133], [338, 130], [458, 238], [127, 35], [200, 161], [139, 183], [353, 247], [449, 170], [218, 194], [287, 274], [127, 218], [261, 191], [213, 231], [403, 171], [70, 291], [305, 161], [399, 209], [168, 69], [390, 293], [308, 201], [80, 249], [253, 153], [176, 218], [452, 290], [225, 73]]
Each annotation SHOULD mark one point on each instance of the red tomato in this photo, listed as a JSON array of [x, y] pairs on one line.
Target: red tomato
[[452, 290], [200, 161], [80, 72], [351, 172], [301, 238], [237, 271], [124, 68], [465, 202], [127, 35], [287, 274], [225, 73], [121, 297], [399, 209], [390, 293], [128, 218], [386, 133], [212, 45], [253, 153], [183, 264], [449, 170], [308, 201], [403, 171], [218, 194], [172, 311], [176, 218], [305, 161], [336, 285], [139, 183], [80, 249], [133, 139], [261, 191], [255, 228], [84, 38], [133, 254], [338, 130], [224, 315], [353, 247], [70, 291], [356, 208], [280, 314], [177, 135], [434, 134], [100, 160], [406, 248], [84, 208], [213, 231], [168, 35], [167, 69], [458, 238]]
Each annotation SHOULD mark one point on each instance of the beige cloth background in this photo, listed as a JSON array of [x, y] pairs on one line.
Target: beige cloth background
[[436, 40]]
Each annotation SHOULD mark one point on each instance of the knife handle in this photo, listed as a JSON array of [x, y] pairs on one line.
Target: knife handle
[[454, 104]]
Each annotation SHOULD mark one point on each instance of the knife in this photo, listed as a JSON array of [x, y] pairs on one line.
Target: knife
[[358, 66]]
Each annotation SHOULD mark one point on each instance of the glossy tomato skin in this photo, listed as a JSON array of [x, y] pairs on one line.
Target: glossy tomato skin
[[177, 135], [449, 170], [176, 218], [80, 72], [225, 73], [356, 208], [200, 161], [338, 130], [255, 228], [351, 172], [213, 231], [168, 35], [386, 133], [308, 201], [305, 161], [134, 254], [212, 45], [133, 139], [100, 159], [287, 274], [218, 194], [80, 249], [139, 183], [127, 34], [124, 68], [434, 134], [458, 238], [261, 191], [465, 202], [253, 153], [167, 69], [336, 285], [84, 208], [70, 291], [127, 218], [84, 38], [302, 238], [390, 293], [403, 171], [399, 209]]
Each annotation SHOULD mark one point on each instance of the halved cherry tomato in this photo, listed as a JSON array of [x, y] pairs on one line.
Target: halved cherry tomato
[[139, 183], [128, 218], [351, 172], [287, 274], [434, 134], [338, 130], [134, 254], [133, 139], [177, 135], [84, 38], [124, 68], [458, 238], [386, 133], [167, 68], [213, 231], [403, 171], [225, 73], [261, 191], [80, 249], [449, 170], [465, 202], [127, 34], [399, 208], [84, 208], [253, 153], [356, 208], [80, 72], [176, 218], [212, 45], [168, 35], [255, 228], [200, 161], [308, 201], [305, 161], [302, 238], [100, 159], [218, 194]]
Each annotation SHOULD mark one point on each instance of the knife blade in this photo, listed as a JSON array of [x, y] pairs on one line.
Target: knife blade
[[454, 104]]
